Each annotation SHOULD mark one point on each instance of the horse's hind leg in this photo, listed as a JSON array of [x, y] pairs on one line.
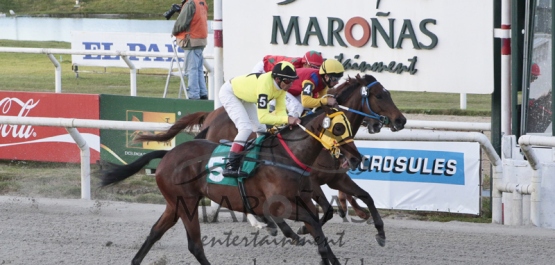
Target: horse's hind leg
[[342, 210], [166, 221], [192, 227], [358, 209]]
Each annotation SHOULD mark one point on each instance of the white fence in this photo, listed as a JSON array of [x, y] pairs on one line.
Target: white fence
[[72, 124], [124, 55]]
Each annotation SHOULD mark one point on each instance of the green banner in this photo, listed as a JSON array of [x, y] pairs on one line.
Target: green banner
[[117, 146]]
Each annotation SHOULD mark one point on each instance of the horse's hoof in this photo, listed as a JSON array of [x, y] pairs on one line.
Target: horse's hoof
[[272, 231], [380, 240], [297, 242], [302, 230]]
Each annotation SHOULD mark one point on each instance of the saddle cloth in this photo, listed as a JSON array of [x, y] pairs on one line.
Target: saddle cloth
[[218, 160]]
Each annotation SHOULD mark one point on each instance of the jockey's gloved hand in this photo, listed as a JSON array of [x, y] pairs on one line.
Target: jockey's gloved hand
[[293, 121], [332, 102]]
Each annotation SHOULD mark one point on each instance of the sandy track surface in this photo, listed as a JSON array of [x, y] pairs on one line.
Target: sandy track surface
[[66, 231]]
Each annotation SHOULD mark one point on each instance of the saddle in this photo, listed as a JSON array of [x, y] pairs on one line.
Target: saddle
[[218, 158]]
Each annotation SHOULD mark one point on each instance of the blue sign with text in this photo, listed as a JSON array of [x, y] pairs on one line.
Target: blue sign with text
[[410, 166]]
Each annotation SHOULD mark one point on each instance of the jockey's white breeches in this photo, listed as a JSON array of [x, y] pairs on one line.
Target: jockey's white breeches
[[243, 114], [294, 105]]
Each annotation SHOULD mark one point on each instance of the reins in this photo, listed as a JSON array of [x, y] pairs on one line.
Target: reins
[[366, 102]]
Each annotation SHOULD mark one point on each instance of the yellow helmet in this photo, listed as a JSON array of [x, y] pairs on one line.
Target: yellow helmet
[[332, 67], [285, 69]]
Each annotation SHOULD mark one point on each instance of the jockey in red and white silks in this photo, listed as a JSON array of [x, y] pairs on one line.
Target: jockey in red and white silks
[[310, 60], [308, 90], [246, 100]]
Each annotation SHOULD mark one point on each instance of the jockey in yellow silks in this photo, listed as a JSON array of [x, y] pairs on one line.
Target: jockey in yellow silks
[[246, 100]]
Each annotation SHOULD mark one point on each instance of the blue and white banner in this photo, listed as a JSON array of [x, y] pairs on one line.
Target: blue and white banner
[[127, 41], [427, 176]]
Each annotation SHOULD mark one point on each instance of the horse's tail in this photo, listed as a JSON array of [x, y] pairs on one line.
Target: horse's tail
[[186, 123], [116, 173]]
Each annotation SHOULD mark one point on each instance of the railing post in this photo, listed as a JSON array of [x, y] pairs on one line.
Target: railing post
[[132, 75], [57, 73], [85, 162]]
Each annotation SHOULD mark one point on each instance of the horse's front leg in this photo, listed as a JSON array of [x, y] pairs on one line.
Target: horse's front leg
[[319, 196], [307, 212], [347, 185]]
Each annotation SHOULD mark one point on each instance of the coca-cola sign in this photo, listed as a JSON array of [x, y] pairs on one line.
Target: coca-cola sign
[[17, 131], [41, 143]]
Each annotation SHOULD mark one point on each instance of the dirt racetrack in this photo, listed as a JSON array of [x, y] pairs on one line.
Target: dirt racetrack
[[66, 231]]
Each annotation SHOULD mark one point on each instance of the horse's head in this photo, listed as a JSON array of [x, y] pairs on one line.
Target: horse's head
[[373, 125], [334, 131], [373, 100]]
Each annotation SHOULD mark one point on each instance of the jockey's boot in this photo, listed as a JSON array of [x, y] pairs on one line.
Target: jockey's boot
[[232, 166]]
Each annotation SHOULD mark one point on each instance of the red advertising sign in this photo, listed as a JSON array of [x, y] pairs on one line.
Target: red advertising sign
[[41, 143]]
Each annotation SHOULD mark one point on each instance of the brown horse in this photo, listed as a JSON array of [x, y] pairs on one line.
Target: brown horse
[[363, 95], [182, 179]]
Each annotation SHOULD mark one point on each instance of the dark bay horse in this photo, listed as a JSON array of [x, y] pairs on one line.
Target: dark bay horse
[[182, 179], [362, 94]]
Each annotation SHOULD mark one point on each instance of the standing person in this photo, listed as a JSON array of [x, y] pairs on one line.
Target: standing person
[[311, 59], [245, 99], [191, 31]]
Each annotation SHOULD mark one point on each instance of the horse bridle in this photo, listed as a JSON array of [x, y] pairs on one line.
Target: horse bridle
[[366, 102]]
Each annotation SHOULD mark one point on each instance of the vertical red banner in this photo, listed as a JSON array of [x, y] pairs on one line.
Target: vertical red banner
[[45, 143]]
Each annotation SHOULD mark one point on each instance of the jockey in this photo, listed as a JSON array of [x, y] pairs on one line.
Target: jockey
[[245, 99], [311, 59], [312, 85]]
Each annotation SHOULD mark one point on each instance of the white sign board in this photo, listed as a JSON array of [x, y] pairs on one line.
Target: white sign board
[[127, 41], [432, 46], [424, 176]]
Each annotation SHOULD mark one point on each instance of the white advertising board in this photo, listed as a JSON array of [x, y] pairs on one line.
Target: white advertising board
[[127, 41], [432, 45], [423, 176]]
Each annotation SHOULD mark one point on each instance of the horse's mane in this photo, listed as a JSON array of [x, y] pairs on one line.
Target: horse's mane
[[345, 90]]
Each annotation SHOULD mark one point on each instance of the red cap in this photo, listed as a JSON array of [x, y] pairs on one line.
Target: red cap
[[313, 58], [535, 69]]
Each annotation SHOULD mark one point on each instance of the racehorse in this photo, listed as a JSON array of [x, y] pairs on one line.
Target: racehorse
[[539, 113], [362, 95], [182, 179]]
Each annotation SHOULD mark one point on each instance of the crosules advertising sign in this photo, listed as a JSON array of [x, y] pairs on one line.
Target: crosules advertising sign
[[424, 176]]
